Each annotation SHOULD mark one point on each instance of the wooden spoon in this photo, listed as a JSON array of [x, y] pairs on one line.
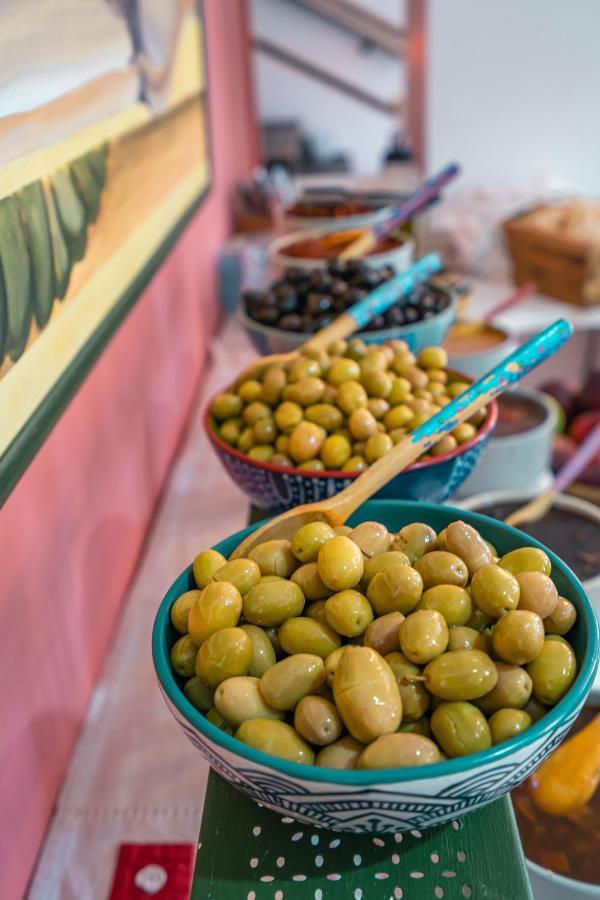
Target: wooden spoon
[[357, 316], [570, 776], [540, 505], [337, 509]]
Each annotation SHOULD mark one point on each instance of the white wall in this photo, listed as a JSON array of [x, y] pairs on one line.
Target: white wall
[[512, 90], [336, 122]]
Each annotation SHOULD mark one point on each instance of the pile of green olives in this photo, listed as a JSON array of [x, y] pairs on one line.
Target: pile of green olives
[[342, 409], [359, 648]]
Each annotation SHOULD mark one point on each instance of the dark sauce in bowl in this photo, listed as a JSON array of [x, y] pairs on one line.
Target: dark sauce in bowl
[[573, 537], [518, 414], [329, 209], [568, 845]]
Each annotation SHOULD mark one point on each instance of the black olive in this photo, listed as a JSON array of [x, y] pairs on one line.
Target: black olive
[[411, 315], [318, 303], [322, 322], [338, 287], [294, 276], [395, 316], [370, 279], [291, 322], [266, 315], [254, 298]]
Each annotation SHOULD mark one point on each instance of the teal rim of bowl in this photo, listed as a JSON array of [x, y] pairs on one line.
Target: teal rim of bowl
[[360, 778]]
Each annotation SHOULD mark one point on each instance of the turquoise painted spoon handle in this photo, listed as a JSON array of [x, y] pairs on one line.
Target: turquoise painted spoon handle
[[376, 303], [406, 452]]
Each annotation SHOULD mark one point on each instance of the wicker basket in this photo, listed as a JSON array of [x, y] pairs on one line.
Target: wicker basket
[[563, 267]]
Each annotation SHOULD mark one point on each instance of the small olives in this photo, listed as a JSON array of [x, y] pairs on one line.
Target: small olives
[[526, 559], [340, 563], [348, 612], [452, 601], [180, 610], [309, 539], [317, 720], [274, 558], [552, 671], [508, 723], [183, 656], [461, 675], [372, 538], [423, 635], [466, 542], [562, 619], [441, 567], [462, 637], [396, 751], [239, 698], [272, 602], [396, 588], [302, 634], [306, 441], [276, 738], [378, 563], [242, 573], [382, 633], [263, 653], [291, 679], [460, 728], [225, 653], [518, 637], [538, 593], [413, 693], [494, 590], [218, 606], [366, 694], [415, 540], [309, 581], [199, 694], [342, 754], [512, 690], [206, 565], [331, 664]]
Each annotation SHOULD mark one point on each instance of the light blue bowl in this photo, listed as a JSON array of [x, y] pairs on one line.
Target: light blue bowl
[[427, 333], [391, 800]]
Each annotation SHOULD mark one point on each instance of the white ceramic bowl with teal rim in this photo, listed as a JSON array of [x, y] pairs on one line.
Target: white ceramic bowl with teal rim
[[399, 257], [294, 223], [386, 801]]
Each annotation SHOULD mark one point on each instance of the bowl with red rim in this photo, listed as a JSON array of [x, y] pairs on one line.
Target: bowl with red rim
[[276, 488]]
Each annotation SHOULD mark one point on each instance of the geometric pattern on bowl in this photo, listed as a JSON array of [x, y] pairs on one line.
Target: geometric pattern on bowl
[[396, 799]]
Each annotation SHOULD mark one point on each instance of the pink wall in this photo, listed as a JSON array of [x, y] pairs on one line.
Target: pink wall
[[74, 526]]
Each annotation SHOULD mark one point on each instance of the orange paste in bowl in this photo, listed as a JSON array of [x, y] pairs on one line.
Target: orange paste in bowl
[[468, 338], [329, 246]]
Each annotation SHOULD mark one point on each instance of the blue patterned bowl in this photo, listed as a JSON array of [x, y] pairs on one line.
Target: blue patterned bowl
[[276, 488], [388, 800], [427, 333]]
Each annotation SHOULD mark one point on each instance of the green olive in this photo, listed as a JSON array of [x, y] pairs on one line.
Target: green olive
[[317, 720], [381, 562], [461, 675], [206, 565], [366, 694], [553, 671], [305, 392], [423, 635], [246, 440], [401, 391], [441, 567], [466, 542], [309, 581], [356, 463], [263, 653], [304, 368], [340, 563], [326, 415], [452, 601], [256, 411], [312, 465], [351, 396], [396, 588], [301, 634], [377, 383], [316, 610], [397, 751], [378, 407], [372, 538], [398, 417], [225, 653], [239, 698], [462, 637], [338, 347], [214, 716], [460, 728], [538, 593], [343, 369], [306, 441], [420, 726], [562, 619], [309, 539], [377, 446], [382, 633], [287, 416], [273, 602], [180, 610], [362, 423], [518, 637], [291, 679], [218, 606], [199, 695], [241, 573], [274, 558], [479, 620], [250, 390], [273, 383], [513, 689], [348, 612], [340, 755], [261, 452], [508, 723], [415, 696], [276, 738], [264, 431], [494, 590], [526, 559], [183, 656], [225, 406], [336, 450], [331, 664]]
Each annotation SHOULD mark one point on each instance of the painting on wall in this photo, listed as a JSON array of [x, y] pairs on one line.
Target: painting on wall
[[104, 155]]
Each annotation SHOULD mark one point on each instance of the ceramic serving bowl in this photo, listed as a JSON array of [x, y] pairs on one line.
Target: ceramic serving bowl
[[276, 488], [294, 222], [426, 333], [399, 257], [477, 363], [388, 800]]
